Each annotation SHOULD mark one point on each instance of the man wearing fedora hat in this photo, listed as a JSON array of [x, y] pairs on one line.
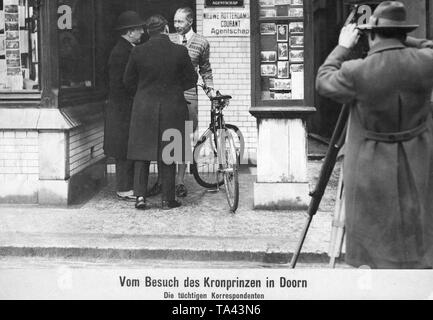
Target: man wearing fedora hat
[[118, 110], [389, 148], [162, 71]]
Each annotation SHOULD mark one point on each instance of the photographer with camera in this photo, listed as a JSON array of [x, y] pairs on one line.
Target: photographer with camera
[[389, 149]]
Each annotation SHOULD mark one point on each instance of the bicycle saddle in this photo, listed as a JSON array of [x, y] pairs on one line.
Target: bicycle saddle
[[225, 97]]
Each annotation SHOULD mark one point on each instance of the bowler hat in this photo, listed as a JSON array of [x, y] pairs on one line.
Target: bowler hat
[[389, 15], [129, 19]]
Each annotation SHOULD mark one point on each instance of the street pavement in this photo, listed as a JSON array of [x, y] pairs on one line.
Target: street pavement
[[202, 230]]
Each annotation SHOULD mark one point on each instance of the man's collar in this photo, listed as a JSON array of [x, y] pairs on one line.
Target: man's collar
[[160, 36], [188, 35], [124, 38], [387, 44]]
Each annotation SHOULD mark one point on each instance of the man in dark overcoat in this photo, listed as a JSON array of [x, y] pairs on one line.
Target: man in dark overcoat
[[161, 71], [388, 167], [118, 110]]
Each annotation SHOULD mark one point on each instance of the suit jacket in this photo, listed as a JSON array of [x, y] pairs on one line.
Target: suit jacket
[[389, 150], [161, 71], [118, 109]]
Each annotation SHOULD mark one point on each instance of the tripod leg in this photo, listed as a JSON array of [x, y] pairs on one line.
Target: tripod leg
[[338, 227], [336, 143]]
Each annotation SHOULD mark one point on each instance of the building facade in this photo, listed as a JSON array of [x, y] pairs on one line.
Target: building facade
[[53, 78]]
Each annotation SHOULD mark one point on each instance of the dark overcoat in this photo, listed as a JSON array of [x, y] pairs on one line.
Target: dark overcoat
[[118, 109], [388, 168], [161, 71]]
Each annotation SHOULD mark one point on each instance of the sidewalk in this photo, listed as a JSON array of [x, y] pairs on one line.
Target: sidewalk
[[202, 230]]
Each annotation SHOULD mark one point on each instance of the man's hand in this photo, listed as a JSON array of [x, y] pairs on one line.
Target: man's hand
[[349, 36], [210, 93], [427, 44]]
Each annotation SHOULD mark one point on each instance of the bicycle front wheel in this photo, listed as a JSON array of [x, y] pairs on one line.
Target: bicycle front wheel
[[205, 168], [229, 160]]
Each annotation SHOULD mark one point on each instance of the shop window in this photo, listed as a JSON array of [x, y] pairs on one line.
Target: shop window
[[279, 51], [19, 61], [76, 43]]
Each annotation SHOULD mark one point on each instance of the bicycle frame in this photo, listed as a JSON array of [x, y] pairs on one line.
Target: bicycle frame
[[226, 156]]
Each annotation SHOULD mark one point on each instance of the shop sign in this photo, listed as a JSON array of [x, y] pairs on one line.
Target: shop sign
[[224, 3], [226, 23]]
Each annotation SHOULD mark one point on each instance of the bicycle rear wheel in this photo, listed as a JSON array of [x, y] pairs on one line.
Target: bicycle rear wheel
[[229, 160], [205, 168]]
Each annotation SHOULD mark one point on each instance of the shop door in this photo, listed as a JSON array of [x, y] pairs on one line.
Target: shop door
[[329, 18]]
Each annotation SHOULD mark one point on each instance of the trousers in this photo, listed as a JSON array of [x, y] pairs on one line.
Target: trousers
[[124, 175], [167, 177]]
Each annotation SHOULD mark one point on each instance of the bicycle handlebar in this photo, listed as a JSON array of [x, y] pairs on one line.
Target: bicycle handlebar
[[218, 96]]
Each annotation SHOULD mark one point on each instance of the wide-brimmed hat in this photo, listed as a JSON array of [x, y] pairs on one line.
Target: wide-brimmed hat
[[389, 15], [128, 20]]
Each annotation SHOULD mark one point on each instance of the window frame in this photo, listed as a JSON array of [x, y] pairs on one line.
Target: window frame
[[75, 96], [256, 59], [24, 96]]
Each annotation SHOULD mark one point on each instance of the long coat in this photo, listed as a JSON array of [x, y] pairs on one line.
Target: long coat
[[162, 71], [118, 109], [388, 168]]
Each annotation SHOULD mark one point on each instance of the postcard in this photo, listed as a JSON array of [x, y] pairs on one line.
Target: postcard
[[282, 96], [296, 41], [13, 63], [296, 68], [283, 51], [282, 84], [12, 35], [298, 85], [2, 45], [11, 26], [283, 69], [268, 56], [283, 33], [296, 55], [296, 27], [268, 70], [266, 3], [13, 71], [11, 8], [268, 13], [268, 28], [12, 44], [283, 2], [296, 12], [12, 54]]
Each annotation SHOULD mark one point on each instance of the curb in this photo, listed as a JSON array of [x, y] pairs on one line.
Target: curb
[[161, 254], [266, 250]]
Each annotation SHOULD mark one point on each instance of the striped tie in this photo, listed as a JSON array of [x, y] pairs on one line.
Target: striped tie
[[184, 41]]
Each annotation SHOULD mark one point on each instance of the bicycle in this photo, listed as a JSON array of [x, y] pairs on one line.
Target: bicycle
[[218, 152]]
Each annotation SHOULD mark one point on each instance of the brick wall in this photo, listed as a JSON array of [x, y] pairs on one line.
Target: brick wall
[[231, 64], [19, 166]]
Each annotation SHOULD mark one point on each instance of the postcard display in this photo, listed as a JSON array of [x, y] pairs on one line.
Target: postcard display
[[281, 49], [14, 44]]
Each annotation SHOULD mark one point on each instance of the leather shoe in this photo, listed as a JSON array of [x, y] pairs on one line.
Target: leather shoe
[[126, 196], [167, 205], [155, 190], [140, 203], [181, 191]]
